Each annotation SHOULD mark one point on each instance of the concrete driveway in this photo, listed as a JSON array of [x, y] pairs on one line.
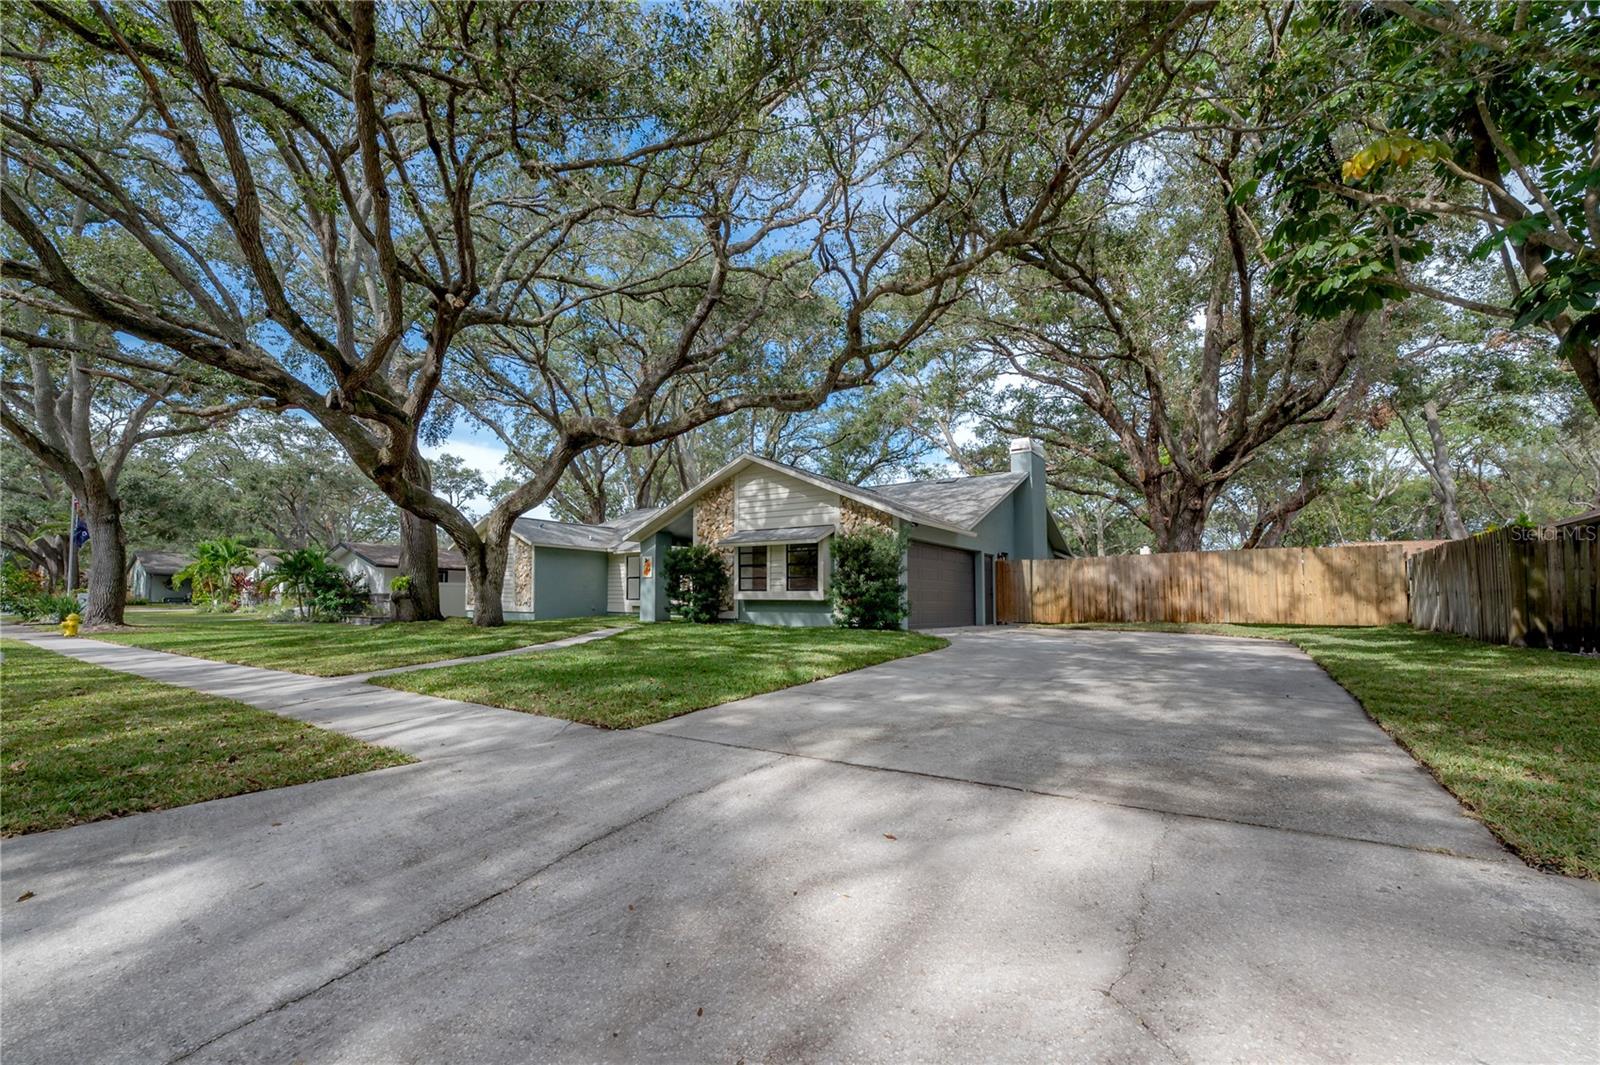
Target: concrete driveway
[[1032, 845]]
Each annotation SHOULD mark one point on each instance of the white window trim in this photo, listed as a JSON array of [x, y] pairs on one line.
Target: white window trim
[[824, 573]]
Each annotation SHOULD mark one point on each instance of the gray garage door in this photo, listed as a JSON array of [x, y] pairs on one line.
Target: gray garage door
[[940, 584]]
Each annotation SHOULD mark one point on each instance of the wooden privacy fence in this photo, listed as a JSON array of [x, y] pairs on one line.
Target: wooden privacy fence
[[1354, 585], [1524, 587]]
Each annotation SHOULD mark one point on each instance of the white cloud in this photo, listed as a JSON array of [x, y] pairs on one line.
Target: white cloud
[[488, 458]]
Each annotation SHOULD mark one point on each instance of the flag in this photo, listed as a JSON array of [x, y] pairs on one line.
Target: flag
[[80, 532]]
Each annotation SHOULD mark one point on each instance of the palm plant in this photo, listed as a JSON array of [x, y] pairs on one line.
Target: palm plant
[[211, 572], [298, 572]]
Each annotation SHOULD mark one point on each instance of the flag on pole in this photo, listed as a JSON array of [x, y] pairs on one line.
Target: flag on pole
[[80, 528]]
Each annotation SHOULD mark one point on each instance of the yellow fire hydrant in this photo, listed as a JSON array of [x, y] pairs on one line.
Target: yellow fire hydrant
[[69, 625]]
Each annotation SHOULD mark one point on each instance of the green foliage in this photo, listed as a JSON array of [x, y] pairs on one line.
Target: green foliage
[[23, 593], [298, 573], [211, 574], [401, 585], [1497, 96], [336, 594], [19, 587], [321, 590], [866, 591], [696, 582]]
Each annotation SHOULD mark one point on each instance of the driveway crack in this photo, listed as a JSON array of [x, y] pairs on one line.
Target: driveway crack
[[463, 911], [1136, 937]]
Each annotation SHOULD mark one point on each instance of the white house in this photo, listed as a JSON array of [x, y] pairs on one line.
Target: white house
[[379, 564]]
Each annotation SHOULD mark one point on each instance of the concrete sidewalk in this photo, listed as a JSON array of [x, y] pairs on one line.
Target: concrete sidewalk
[[877, 866]]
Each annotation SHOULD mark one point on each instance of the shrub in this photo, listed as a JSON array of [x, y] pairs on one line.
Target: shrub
[[696, 582], [866, 591], [54, 608], [19, 588], [334, 593]]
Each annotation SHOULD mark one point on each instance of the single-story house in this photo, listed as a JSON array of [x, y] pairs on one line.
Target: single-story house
[[150, 577], [559, 569], [772, 524], [378, 564]]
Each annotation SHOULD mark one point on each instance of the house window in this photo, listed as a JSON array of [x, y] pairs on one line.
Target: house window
[[752, 569], [631, 583], [802, 567], [444, 576]]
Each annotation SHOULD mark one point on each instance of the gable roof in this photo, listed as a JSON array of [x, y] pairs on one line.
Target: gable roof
[[966, 500], [954, 504], [162, 563], [388, 555], [610, 536]]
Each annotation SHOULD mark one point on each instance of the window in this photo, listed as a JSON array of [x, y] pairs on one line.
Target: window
[[631, 589], [444, 576], [802, 568], [752, 569]]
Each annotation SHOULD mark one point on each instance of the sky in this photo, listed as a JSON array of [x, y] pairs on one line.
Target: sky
[[484, 452]]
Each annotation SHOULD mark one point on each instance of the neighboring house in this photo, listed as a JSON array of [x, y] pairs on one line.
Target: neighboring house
[[266, 562], [378, 564], [773, 523], [150, 577]]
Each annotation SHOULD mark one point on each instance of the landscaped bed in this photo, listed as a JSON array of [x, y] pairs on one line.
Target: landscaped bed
[[1512, 732], [81, 743], [332, 650], [653, 672]]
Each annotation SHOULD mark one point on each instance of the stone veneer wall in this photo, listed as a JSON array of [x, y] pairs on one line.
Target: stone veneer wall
[[858, 517], [713, 522], [521, 575]]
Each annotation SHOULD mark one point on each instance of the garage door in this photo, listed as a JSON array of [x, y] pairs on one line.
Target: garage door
[[940, 585]]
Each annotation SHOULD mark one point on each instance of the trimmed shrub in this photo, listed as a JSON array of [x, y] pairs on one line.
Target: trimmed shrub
[[866, 592], [696, 582]]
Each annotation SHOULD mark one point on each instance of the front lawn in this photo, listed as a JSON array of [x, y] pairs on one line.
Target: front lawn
[[1512, 732], [81, 743], [332, 650], [653, 672]]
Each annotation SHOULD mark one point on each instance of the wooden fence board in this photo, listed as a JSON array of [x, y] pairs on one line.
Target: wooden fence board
[[1354, 585], [1525, 587]]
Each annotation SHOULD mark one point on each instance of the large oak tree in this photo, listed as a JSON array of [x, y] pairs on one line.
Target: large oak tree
[[354, 202]]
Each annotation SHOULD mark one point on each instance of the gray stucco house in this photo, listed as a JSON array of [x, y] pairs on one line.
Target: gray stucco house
[[772, 523], [150, 576]]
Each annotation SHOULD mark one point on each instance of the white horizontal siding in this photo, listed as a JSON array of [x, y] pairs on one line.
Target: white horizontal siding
[[617, 601], [764, 499]]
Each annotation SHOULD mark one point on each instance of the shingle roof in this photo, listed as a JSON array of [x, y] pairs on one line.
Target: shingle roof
[[162, 562], [388, 555], [543, 532], [796, 534], [963, 500]]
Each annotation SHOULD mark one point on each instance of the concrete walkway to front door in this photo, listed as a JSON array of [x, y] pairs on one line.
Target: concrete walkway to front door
[[1031, 845]]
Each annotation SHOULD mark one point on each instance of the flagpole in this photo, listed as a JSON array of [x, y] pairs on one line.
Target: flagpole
[[72, 548]]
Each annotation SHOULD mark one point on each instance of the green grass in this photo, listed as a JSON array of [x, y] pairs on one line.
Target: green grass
[[653, 672], [331, 650], [81, 743], [1513, 732]]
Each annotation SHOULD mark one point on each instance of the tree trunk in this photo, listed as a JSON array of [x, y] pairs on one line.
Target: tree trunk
[[1583, 354], [1444, 481], [108, 570], [419, 560], [1178, 520], [486, 571]]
